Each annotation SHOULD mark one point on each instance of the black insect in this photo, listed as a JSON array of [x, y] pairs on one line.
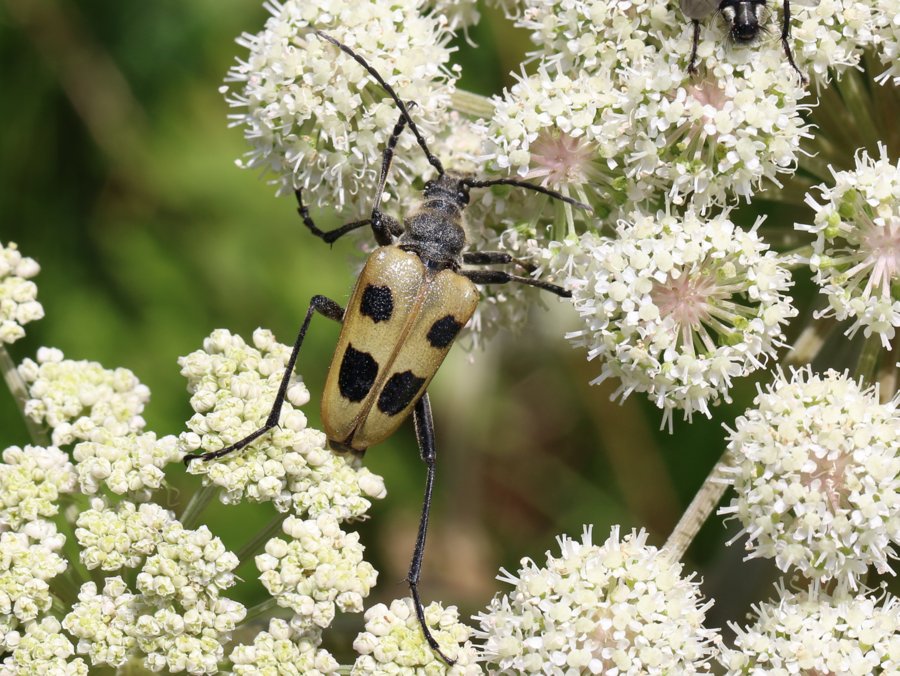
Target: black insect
[[410, 301], [745, 20]]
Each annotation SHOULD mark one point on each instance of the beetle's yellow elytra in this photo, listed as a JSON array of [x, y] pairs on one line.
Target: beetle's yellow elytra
[[400, 322]]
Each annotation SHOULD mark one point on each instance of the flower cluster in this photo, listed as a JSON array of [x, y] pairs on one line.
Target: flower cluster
[[232, 387], [315, 118], [31, 481], [29, 558], [677, 307], [319, 570], [282, 650], [79, 398], [620, 607], [393, 643], [43, 649], [887, 39], [812, 632], [856, 256], [18, 295], [817, 476], [177, 616]]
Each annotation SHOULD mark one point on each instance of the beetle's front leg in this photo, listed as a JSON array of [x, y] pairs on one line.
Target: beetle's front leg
[[501, 277], [695, 44], [331, 235], [424, 425], [322, 305], [786, 38]]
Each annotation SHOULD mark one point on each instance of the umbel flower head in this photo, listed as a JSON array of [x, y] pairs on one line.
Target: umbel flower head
[[676, 306], [18, 294], [816, 472], [857, 249], [393, 643], [314, 117], [283, 650], [621, 607], [813, 632]]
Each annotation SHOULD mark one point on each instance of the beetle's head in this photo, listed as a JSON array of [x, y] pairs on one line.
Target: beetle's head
[[744, 19]]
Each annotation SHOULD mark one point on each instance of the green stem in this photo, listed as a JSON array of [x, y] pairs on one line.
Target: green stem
[[868, 358], [858, 101], [700, 509], [198, 503], [259, 610], [19, 390], [474, 105], [259, 540]]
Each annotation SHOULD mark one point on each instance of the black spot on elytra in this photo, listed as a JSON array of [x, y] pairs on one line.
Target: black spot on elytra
[[443, 331], [398, 392], [357, 374], [377, 303]]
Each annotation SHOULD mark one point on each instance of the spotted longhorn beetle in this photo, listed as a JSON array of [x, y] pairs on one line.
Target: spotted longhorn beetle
[[410, 301]]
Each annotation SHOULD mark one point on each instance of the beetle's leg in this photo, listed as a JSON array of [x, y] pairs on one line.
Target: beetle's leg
[[331, 235], [786, 38], [501, 277], [385, 227], [322, 305], [424, 425], [495, 258], [695, 44]]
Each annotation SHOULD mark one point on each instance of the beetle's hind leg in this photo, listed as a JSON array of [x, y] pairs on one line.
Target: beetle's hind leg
[[424, 425], [322, 305]]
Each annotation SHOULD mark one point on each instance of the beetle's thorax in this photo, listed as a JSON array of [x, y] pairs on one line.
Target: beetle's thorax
[[435, 229], [744, 18]]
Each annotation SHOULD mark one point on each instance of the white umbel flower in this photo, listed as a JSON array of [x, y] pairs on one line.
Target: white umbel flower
[[857, 249], [676, 306], [31, 481], [18, 294], [828, 36], [812, 632], [233, 386], [594, 35], [715, 139], [28, 560], [318, 571], [887, 39], [176, 619], [548, 128], [121, 537], [282, 651], [126, 465], [617, 608], [393, 643], [816, 471], [43, 649], [103, 622], [77, 398], [315, 118]]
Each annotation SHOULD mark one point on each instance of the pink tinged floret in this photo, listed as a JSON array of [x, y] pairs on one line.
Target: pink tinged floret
[[558, 159], [881, 244]]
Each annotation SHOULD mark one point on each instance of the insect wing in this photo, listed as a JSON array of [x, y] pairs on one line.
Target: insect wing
[[699, 9], [446, 304], [376, 317]]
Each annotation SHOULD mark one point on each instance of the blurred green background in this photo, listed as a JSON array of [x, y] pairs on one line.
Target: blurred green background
[[117, 174]]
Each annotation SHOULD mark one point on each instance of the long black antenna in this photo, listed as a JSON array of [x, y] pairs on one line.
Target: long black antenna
[[475, 183], [432, 160]]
